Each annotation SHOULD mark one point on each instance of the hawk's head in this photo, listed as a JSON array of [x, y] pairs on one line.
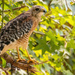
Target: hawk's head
[[37, 11]]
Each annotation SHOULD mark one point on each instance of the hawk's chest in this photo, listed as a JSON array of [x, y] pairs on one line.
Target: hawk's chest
[[25, 38], [23, 41]]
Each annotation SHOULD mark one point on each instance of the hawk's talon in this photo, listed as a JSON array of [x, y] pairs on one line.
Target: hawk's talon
[[33, 61], [20, 60]]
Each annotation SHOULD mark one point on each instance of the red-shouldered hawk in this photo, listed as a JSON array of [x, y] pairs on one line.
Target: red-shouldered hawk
[[16, 32]]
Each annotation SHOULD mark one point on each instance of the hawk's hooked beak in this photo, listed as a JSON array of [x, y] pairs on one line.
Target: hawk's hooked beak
[[44, 10]]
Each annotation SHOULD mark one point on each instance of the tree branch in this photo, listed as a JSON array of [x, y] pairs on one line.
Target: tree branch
[[4, 70], [41, 33], [22, 65], [17, 8]]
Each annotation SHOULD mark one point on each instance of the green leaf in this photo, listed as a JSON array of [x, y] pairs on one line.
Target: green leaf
[[47, 67], [51, 35], [71, 44], [7, 6], [6, 18], [3, 62], [68, 72], [42, 45]]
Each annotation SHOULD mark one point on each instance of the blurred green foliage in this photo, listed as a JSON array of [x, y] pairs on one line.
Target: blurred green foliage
[[54, 38]]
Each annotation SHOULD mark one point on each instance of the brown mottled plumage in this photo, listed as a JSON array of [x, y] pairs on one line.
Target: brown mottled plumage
[[16, 32]]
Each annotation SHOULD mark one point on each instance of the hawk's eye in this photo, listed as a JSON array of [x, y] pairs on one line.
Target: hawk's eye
[[37, 9]]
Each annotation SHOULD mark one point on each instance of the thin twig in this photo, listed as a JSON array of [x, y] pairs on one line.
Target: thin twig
[[41, 33], [37, 32], [41, 62], [27, 72], [17, 8], [4, 70], [59, 16], [49, 4], [66, 4], [2, 12]]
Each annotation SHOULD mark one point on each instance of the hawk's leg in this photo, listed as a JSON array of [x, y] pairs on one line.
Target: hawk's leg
[[30, 59], [19, 58]]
